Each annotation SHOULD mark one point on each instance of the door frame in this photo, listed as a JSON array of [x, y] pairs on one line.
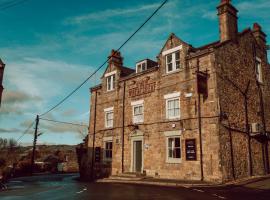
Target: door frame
[[132, 165]]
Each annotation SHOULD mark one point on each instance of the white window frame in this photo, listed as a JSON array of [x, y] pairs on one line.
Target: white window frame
[[108, 111], [169, 135], [172, 97], [139, 66], [105, 141], [258, 70], [173, 53], [110, 80], [135, 104]]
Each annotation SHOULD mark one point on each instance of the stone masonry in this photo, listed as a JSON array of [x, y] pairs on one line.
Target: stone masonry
[[224, 116]]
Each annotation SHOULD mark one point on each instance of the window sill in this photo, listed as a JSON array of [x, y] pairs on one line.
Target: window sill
[[108, 128], [173, 72], [172, 118], [174, 161]]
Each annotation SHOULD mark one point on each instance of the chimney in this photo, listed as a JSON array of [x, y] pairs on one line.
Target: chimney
[[259, 35], [228, 26], [115, 58]]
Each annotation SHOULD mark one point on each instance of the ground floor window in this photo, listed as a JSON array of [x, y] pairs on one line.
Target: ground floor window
[[108, 150], [173, 149]]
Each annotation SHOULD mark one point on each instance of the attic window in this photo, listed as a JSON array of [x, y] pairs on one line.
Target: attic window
[[172, 59], [141, 66], [110, 80]]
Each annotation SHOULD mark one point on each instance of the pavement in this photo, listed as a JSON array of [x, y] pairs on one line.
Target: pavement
[[56, 187]]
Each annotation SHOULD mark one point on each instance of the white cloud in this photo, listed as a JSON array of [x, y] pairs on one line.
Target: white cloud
[[102, 15]]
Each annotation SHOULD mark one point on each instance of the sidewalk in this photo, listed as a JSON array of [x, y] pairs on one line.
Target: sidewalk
[[251, 182]]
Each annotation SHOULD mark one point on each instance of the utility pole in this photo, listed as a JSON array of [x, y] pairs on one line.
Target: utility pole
[[34, 145]]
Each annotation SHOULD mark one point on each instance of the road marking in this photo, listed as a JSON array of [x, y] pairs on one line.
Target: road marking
[[198, 190], [221, 197]]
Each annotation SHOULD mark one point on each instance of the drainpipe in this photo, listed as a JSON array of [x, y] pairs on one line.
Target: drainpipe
[[200, 124], [123, 125], [94, 137]]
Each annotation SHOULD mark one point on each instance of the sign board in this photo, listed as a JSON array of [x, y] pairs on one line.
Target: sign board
[[97, 154], [202, 83], [191, 149]]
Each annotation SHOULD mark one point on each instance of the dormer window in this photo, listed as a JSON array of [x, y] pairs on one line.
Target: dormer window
[[110, 80], [141, 66], [172, 59]]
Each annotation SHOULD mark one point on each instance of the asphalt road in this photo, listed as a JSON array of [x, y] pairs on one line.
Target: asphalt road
[[66, 187]]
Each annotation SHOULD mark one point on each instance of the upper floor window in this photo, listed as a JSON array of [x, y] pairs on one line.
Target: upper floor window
[[173, 61], [258, 70], [108, 117], [140, 67], [137, 107], [172, 105], [110, 80], [110, 83]]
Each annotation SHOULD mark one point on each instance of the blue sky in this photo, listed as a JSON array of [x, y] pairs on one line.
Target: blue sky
[[50, 46]]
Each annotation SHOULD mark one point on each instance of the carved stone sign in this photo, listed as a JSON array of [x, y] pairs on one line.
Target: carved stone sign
[[142, 87]]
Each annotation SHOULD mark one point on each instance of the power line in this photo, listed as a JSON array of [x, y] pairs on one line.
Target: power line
[[126, 41], [30, 126], [11, 4], [61, 122]]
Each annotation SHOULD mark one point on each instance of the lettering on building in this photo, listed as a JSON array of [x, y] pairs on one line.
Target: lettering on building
[[143, 87]]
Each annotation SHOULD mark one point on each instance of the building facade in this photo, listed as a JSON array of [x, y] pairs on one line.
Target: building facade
[[194, 113], [2, 68]]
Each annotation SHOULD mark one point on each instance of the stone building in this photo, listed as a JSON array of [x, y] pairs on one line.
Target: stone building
[[2, 67], [194, 113]]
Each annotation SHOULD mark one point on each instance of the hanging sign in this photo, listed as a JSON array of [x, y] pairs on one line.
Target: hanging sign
[[202, 83]]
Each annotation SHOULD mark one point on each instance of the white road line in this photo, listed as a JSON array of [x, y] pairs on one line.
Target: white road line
[[198, 190], [221, 197]]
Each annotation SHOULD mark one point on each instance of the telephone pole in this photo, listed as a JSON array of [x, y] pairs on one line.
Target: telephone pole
[[34, 145]]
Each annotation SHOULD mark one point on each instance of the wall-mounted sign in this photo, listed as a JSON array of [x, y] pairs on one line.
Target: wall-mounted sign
[[97, 154], [142, 87], [202, 83], [191, 149]]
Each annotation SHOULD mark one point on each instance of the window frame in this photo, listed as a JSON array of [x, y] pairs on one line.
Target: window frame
[[105, 158], [173, 135], [133, 114], [173, 62], [139, 66], [110, 81], [108, 111], [258, 71]]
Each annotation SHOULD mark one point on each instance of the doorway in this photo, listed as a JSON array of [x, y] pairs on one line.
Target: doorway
[[137, 156]]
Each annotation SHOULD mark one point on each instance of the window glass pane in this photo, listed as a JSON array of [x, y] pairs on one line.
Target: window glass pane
[[113, 82], [170, 152], [169, 58], [177, 142], [177, 64], [177, 55], [170, 67], [143, 67], [177, 153], [170, 142]]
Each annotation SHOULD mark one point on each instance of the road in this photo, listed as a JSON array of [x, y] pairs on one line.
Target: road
[[56, 187]]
